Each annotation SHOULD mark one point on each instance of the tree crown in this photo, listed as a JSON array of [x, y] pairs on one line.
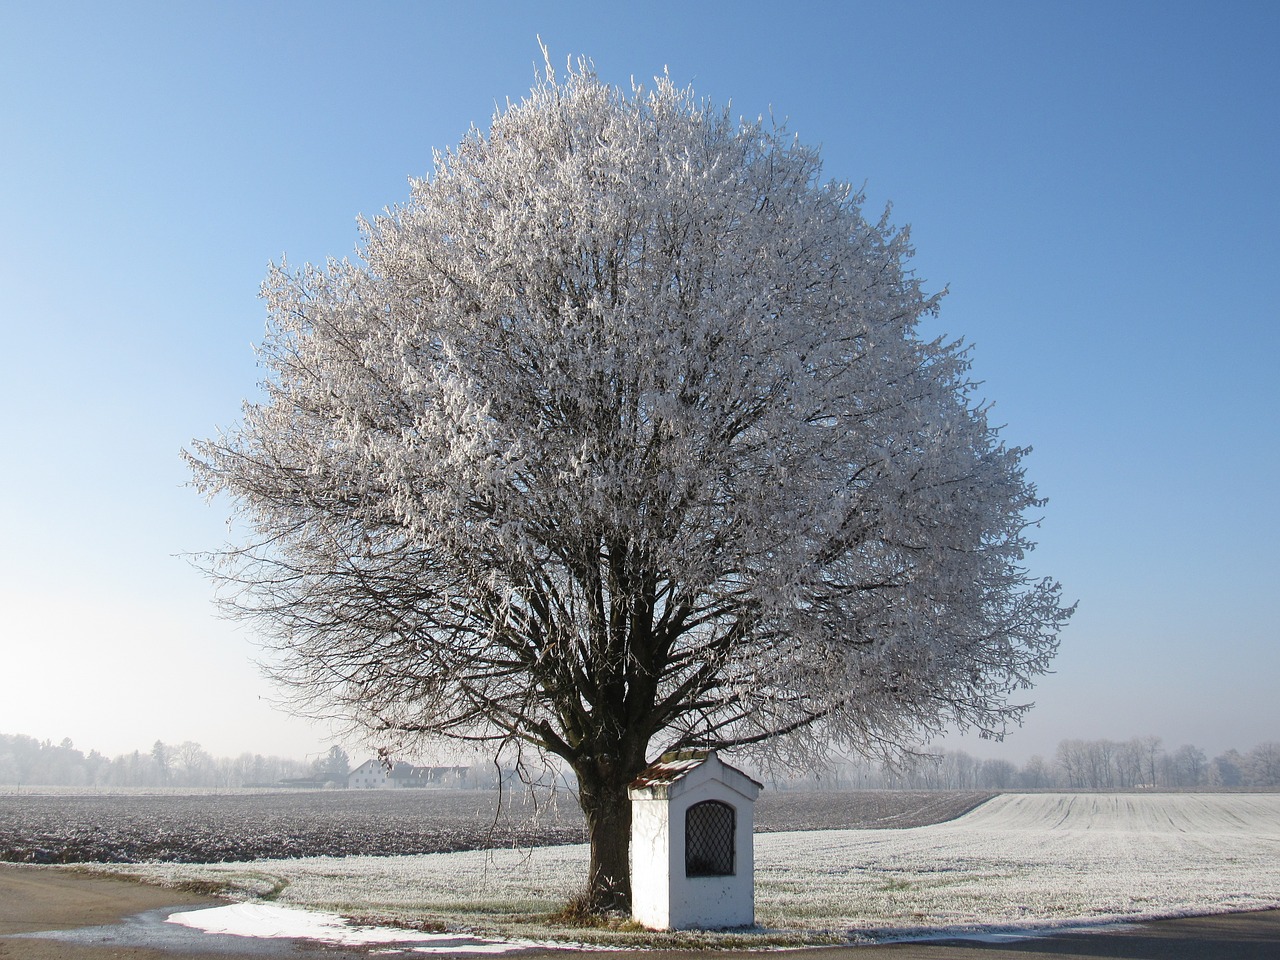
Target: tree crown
[[621, 431]]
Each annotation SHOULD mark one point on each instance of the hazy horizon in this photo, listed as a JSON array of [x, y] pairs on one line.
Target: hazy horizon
[[979, 750]]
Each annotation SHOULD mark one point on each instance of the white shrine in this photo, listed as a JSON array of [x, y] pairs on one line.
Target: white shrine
[[692, 853]]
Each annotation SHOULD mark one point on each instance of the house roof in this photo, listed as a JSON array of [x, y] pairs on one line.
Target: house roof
[[403, 770]]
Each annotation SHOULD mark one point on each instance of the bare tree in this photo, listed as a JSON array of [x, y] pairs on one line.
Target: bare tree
[[1263, 764], [194, 766], [1129, 761], [958, 770], [1186, 766], [996, 775], [1072, 760], [1227, 769], [1151, 748], [1036, 773], [620, 438], [1101, 754]]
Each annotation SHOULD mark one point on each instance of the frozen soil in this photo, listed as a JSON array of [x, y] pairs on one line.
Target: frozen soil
[[785, 811], [216, 828]]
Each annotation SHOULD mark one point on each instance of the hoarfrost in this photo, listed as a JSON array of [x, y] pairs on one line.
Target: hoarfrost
[[1018, 862]]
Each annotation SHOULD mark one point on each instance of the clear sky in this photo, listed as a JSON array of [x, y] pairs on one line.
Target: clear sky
[[1096, 183]]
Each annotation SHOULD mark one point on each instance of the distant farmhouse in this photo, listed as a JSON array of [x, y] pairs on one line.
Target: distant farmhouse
[[376, 775]]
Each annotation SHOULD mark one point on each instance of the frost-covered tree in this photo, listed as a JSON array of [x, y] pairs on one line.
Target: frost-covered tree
[[1263, 764], [619, 437]]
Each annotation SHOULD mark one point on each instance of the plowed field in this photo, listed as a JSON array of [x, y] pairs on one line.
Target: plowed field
[[206, 828]]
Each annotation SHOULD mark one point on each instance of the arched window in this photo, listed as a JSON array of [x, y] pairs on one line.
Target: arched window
[[709, 839]]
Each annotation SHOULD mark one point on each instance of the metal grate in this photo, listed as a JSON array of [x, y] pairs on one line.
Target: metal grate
[[708, 839]]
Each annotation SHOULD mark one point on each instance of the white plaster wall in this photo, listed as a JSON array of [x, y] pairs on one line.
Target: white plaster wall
[[650, 864], [712, 901], [370, 775]]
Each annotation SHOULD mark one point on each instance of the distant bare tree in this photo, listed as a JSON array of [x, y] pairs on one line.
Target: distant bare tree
[[996, 775], [1072, 760], [194, 767], [958, 770], [1100, 757], [1130, 758], [1187, 766], [1264, 764], [1036, 774], [1227, 769], [1151, 753]]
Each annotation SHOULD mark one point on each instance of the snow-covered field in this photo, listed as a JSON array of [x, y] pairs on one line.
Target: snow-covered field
[[1032, 860], [1018, 862]]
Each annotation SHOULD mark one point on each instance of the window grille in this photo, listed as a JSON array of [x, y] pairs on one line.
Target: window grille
[[708, 839]]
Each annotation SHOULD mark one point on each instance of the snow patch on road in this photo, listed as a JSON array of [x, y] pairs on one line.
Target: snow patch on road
[[268, 920]]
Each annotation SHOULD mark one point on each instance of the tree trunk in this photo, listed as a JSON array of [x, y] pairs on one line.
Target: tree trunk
[[607, 809]]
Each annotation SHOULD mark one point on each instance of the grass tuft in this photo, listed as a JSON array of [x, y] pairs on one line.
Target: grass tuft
[[582, 913]]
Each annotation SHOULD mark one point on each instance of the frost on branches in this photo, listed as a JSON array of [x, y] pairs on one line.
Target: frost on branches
[[620, 438]]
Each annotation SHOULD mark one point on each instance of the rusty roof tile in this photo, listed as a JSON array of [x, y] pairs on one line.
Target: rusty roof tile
[[669, 768]]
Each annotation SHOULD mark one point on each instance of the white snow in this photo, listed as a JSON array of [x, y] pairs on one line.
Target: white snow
[[270, 920], [1017, 863], [1032, 861]]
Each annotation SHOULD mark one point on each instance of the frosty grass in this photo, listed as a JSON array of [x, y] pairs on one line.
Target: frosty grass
[[1018, 862]]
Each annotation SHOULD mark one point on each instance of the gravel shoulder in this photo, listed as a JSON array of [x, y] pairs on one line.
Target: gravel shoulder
[[36, 898]]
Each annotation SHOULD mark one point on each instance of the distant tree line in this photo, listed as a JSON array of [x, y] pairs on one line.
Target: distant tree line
[[26, 760], [1139, 763]]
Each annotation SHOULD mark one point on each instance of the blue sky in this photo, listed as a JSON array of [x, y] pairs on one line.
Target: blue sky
[[1096, 184]]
